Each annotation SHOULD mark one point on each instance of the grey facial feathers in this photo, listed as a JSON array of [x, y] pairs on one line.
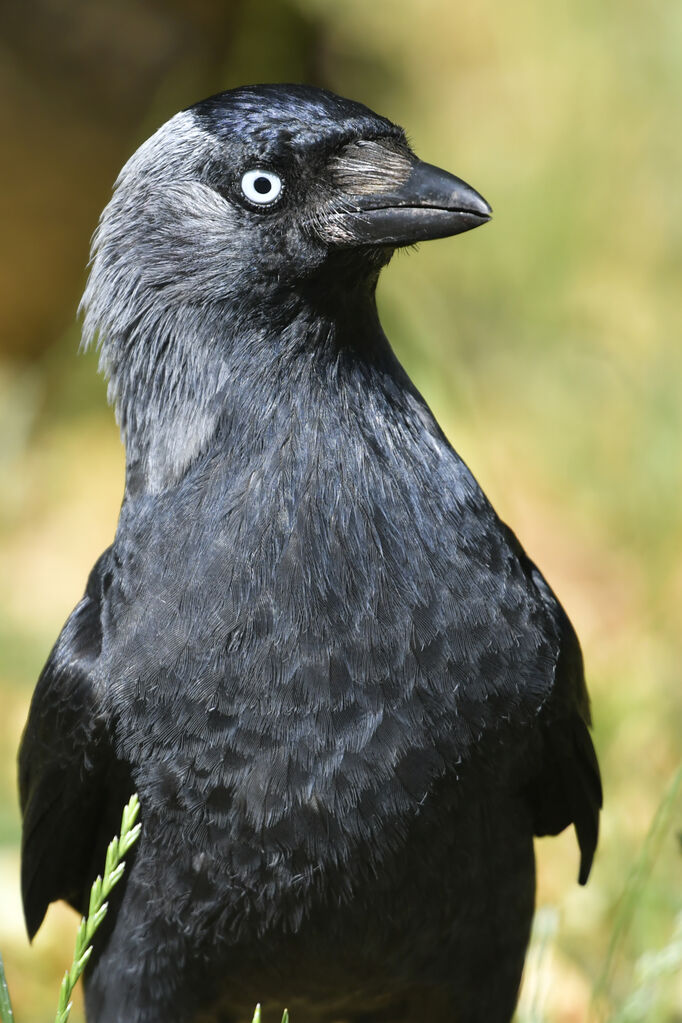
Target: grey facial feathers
[[151, 261]]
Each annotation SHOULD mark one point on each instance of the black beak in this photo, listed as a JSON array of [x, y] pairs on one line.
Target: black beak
[[431, 203]]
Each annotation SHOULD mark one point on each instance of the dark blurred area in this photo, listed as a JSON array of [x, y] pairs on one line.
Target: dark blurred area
[[548, 345], [80, 81]]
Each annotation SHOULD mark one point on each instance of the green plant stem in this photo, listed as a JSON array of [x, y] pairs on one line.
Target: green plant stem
[[636, 882], [257, 1015], [6, 1014], [97, 910]]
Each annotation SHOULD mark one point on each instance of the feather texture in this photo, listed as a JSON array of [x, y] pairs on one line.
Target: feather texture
[[344, 694]]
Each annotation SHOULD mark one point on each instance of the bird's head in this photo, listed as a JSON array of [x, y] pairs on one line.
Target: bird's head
[[240, 220], [264, 187]]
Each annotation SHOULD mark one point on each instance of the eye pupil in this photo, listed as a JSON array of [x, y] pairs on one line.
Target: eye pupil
[[262, 186]]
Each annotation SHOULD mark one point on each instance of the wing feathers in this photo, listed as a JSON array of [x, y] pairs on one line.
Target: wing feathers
[[64, 761], [568, 788]]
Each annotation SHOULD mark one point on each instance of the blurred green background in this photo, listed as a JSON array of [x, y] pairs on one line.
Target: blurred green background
[[548, 345]]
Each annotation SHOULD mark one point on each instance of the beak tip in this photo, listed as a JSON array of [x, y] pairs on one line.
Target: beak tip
[[475, 202]]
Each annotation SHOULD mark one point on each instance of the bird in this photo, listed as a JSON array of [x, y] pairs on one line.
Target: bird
[[346, 696]]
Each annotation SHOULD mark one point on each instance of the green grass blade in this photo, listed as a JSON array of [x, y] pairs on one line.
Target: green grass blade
[[113, 871], [6, 1014], [639, 875]]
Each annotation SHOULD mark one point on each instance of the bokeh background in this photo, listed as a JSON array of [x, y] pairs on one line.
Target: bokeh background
[[548, 345]]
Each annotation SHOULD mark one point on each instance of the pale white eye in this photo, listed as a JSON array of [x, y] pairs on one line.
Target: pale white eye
[[261, 186]]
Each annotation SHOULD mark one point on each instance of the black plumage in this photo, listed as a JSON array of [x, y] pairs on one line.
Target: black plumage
[[345, 695]]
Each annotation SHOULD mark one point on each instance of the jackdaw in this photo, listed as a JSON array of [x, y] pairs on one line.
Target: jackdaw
[[345, 695]]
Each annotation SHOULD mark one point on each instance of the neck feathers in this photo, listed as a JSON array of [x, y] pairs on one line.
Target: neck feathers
[[187, 379]]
